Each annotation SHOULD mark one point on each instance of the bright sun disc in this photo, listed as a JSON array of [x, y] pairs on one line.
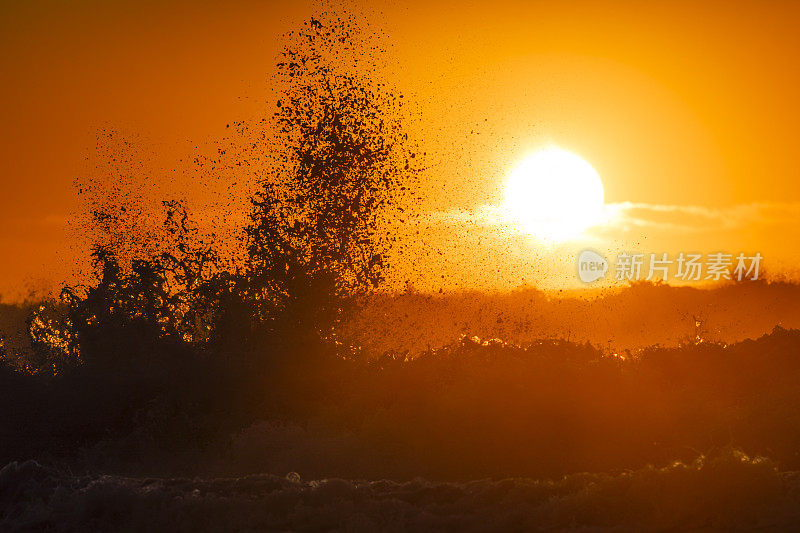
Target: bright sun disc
[[554, 194]]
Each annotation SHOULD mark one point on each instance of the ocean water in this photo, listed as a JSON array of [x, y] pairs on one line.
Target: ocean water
[[728, 492]]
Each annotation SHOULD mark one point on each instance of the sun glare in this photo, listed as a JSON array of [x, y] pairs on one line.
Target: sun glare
[[554, 195]]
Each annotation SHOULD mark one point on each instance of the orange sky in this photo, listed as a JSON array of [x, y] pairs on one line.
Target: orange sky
[[674, 104]]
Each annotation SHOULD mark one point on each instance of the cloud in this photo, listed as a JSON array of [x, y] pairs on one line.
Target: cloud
[[482, 248], [678, 217], [693, 218], [685, 217]]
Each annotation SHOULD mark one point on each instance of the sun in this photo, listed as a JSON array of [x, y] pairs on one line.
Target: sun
[[554, 195]]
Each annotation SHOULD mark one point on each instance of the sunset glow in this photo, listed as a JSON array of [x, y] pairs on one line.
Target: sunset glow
[[399, 266], [554, 194]]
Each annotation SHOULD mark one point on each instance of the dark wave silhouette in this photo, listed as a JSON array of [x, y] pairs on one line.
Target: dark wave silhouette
[[725, 492]]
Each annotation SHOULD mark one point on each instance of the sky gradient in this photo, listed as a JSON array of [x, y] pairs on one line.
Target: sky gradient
[[674, 104]]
